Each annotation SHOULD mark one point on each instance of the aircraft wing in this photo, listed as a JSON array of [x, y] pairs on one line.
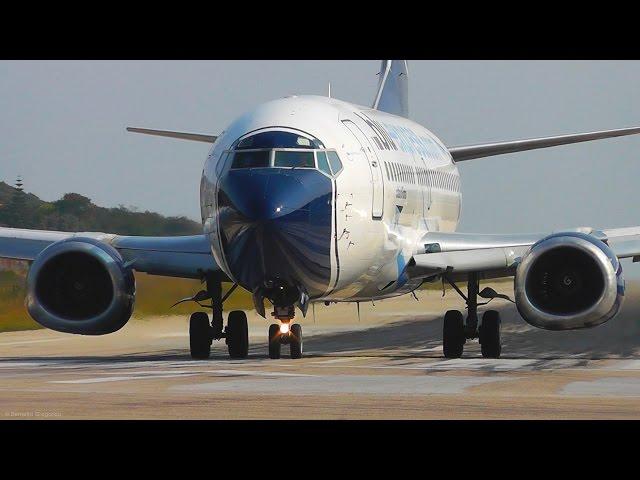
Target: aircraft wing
[[470, 152], [183, 256], [194, 137], [495, 256]]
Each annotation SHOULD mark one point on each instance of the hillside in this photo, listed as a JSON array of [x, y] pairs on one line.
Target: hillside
[[75, 212]]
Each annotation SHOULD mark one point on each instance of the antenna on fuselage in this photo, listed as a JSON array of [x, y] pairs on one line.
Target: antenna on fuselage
[[329, 91]]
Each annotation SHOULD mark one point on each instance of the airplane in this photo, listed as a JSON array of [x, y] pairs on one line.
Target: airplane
[[312, 199]]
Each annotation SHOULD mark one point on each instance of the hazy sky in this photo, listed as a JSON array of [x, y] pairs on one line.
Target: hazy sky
[[62, 126]]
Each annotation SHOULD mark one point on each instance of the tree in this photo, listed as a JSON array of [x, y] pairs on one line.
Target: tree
[[73, 204], [14, 214]]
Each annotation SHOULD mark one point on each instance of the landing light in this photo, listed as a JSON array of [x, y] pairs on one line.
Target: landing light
[[284, 328]]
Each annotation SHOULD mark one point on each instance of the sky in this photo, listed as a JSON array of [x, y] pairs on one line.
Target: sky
[[62, 127]]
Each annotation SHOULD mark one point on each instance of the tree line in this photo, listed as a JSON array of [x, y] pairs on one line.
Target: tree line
[[75, 212]]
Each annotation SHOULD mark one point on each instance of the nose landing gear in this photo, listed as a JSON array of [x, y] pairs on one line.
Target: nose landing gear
[[285, 333]]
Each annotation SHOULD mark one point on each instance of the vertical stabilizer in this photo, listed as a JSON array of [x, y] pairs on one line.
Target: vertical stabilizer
[[393, 88]]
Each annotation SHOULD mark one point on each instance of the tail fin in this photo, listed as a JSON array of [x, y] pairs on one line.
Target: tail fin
[[393, 88]]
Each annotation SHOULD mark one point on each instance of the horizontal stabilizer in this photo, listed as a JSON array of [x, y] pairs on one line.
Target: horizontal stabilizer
[[195, 137], [469, 152]]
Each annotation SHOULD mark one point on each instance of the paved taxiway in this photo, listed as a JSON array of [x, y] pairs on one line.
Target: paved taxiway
[[388, 366]]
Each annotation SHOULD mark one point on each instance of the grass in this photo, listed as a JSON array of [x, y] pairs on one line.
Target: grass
[[13, 313], [156, 294]]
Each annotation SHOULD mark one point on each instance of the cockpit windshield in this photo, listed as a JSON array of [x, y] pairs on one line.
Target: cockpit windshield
[[251, 159], [280, 149], [292, 158]]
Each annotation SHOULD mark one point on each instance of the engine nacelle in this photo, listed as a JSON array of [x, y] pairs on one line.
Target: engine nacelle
[[569, 281], [80, 285]]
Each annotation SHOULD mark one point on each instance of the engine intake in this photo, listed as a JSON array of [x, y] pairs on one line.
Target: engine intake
[[569, 281], [80, 285]]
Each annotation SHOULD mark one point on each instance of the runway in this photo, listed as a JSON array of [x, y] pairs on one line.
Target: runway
[[387, 366]]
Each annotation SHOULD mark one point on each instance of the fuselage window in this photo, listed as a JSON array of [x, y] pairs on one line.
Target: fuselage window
[[249, 159], [323, 163]]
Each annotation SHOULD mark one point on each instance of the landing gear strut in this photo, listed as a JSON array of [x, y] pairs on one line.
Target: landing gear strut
[[456, 331], [202, 333]]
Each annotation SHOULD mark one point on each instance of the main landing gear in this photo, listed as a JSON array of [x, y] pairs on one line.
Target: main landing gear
[[456, 331], [202, 333], [285, 333]]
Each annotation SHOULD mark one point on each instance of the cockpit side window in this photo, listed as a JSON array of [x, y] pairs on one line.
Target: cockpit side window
[[323, 163], [334, 161]]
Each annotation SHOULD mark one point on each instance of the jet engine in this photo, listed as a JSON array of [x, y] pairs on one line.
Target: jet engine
[[569, 281], [80, 285]]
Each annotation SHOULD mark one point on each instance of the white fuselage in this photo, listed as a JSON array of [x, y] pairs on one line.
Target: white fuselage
[[398, 183]]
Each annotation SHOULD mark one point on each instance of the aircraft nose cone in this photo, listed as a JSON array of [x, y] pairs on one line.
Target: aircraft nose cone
[[276, 224]]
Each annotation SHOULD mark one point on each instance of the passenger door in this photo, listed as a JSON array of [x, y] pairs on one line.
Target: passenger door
[[375, 168]]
